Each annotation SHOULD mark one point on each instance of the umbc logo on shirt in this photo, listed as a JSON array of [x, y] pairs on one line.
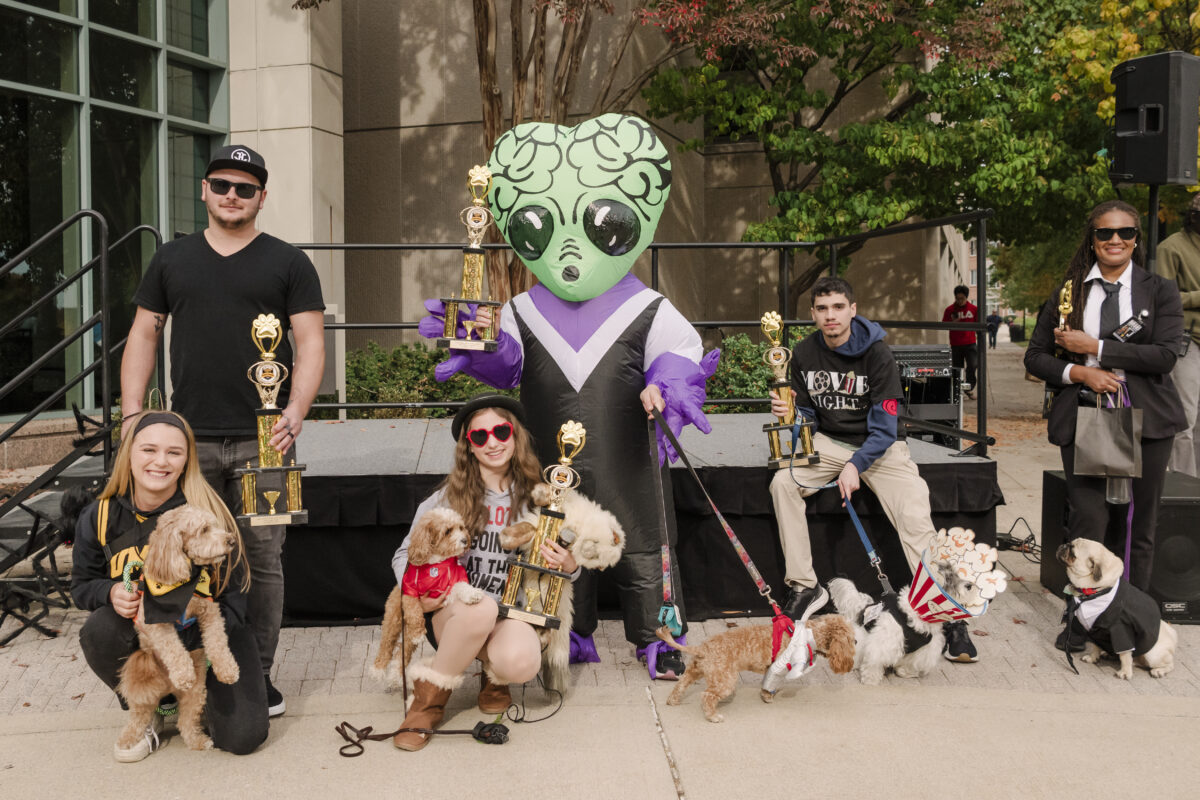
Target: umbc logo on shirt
[[837, 391]]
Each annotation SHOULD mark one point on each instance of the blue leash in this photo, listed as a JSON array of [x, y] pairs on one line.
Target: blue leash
[[872, 556]]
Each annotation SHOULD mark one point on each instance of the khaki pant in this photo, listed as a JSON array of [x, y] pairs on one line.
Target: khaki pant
[[894, 480]]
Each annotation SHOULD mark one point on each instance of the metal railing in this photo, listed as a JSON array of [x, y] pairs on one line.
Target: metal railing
[[104, 364], [835, 246]]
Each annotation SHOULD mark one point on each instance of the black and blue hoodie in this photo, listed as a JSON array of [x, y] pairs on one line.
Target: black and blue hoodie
[[852, 391]]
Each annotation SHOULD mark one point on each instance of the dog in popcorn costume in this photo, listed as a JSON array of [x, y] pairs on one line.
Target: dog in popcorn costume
[[955, 580]]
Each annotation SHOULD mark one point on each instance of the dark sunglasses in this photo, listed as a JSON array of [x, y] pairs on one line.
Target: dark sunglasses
[[1105, 234], [220, 187], [501, 431]]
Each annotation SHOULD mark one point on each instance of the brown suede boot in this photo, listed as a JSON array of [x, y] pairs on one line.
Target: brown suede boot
[[430, 692], [494, 698]]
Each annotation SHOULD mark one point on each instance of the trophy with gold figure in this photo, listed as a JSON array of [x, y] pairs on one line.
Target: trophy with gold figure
[[476, 217], [1064, 305], [542, 594], [268, 376], [777, 358]]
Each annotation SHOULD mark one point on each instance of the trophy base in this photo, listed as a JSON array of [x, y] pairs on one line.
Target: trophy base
[[268, 470], [467, 344], [532, 617], [776, 426], [278, 518], [800, 460]]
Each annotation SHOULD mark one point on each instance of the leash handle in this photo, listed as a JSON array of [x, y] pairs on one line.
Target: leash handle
[[763, 588]]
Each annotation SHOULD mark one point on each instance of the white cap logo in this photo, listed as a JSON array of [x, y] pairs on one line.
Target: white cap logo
[[240, 155]]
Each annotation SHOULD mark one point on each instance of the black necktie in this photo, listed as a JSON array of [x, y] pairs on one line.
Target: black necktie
[[1110, 309]]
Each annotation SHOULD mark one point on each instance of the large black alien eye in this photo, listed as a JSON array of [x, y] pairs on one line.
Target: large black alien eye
[[529, 231], [613, 227]]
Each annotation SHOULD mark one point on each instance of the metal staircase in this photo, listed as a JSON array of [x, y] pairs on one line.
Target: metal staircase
[[30, 527]]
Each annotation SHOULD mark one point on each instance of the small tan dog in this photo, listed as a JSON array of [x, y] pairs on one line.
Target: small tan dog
[[720, 659], [437, 541], [1119, 617], [184, 541]]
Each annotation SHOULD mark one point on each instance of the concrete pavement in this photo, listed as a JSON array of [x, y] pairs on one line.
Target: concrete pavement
[[1017, 724]]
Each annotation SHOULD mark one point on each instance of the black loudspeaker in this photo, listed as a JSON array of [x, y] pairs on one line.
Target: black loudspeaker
[[1175, 581], [1157, 114]]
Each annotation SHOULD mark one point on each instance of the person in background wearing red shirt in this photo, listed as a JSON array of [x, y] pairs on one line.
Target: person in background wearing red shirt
[[962, 343]]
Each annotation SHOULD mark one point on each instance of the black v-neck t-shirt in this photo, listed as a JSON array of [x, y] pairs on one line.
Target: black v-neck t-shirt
[[212, 300]]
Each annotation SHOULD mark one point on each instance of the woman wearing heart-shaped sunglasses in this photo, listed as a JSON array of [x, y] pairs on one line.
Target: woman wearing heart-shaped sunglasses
[[494, 473]]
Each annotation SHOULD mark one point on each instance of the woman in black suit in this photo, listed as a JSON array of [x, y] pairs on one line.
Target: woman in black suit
[[1108, 288]]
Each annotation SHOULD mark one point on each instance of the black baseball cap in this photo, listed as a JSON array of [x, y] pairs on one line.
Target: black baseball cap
[[238, 156], [482, 401]]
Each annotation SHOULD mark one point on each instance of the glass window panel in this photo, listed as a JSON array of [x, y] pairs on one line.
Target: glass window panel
[[40, 188], [122, 72], [125, 190], [187, 25], [188, 156], [187, 92], [37, 51], [61, 6], [131, 16]]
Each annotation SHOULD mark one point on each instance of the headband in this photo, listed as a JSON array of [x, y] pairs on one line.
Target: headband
[[159, 418]]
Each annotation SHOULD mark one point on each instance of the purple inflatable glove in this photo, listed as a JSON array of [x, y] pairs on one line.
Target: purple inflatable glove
[[681, 383], [433, 327]]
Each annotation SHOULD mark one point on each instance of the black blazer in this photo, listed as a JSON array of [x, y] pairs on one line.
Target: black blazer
[[1147, 358]]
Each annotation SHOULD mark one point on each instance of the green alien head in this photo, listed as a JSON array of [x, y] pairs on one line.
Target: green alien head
[[580, 204]]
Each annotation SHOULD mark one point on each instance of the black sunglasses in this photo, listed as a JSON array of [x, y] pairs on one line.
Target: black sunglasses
[[220, 187], [501, 431], [1105, 234]]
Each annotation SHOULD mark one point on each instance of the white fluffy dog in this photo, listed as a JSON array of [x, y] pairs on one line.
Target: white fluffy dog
[[887, 634], [597, 543]]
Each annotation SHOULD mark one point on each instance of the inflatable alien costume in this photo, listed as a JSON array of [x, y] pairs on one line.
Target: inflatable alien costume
[[578, 205]]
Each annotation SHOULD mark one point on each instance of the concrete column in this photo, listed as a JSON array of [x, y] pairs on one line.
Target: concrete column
[[285, 98]]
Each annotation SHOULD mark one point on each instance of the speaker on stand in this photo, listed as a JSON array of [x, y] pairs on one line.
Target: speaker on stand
[[1155, 127]]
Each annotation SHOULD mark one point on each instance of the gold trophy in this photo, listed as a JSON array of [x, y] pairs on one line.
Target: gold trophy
[[777, 358], [268, 376], [1064, 305], [541, 601], [476, 217]]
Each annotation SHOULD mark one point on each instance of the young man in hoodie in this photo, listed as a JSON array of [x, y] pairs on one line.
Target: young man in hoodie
[[845, 379]]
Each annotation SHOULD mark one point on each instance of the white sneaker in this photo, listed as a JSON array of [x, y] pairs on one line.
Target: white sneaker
[[151, 740]]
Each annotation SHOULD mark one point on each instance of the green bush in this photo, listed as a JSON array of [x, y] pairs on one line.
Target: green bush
[[375, 374], [743, 373], [403, 375]]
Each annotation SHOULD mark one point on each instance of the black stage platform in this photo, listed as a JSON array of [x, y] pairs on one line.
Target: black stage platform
[[366, 477]]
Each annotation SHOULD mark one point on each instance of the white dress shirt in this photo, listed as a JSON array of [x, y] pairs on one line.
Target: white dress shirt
[[1091, 312]]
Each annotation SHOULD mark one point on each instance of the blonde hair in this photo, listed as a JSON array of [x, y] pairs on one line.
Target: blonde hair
[[196, 491], [465, 490]]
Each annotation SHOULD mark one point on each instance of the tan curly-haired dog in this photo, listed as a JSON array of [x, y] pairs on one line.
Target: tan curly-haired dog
[[720, 659], [184, 538], [440, 535]]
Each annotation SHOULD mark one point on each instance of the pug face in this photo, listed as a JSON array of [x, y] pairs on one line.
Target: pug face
[[1090, 565]]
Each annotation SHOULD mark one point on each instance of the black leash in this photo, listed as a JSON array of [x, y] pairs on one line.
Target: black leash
[[485, 732]]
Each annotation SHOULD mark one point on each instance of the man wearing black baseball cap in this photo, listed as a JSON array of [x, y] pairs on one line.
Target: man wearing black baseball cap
[[213, 284]]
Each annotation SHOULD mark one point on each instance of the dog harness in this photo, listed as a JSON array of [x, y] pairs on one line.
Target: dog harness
[[913, 639], [432, 580]]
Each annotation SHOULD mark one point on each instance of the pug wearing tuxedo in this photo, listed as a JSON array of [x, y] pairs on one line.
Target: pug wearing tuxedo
[[1119, 617]]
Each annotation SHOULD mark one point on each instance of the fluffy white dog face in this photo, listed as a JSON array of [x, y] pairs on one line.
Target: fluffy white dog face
[[1090, 565]]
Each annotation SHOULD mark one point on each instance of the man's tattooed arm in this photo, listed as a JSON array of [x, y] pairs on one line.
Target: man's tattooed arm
[[159, 322]]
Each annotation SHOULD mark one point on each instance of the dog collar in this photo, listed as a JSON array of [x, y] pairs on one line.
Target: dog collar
[[1086, 594]]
